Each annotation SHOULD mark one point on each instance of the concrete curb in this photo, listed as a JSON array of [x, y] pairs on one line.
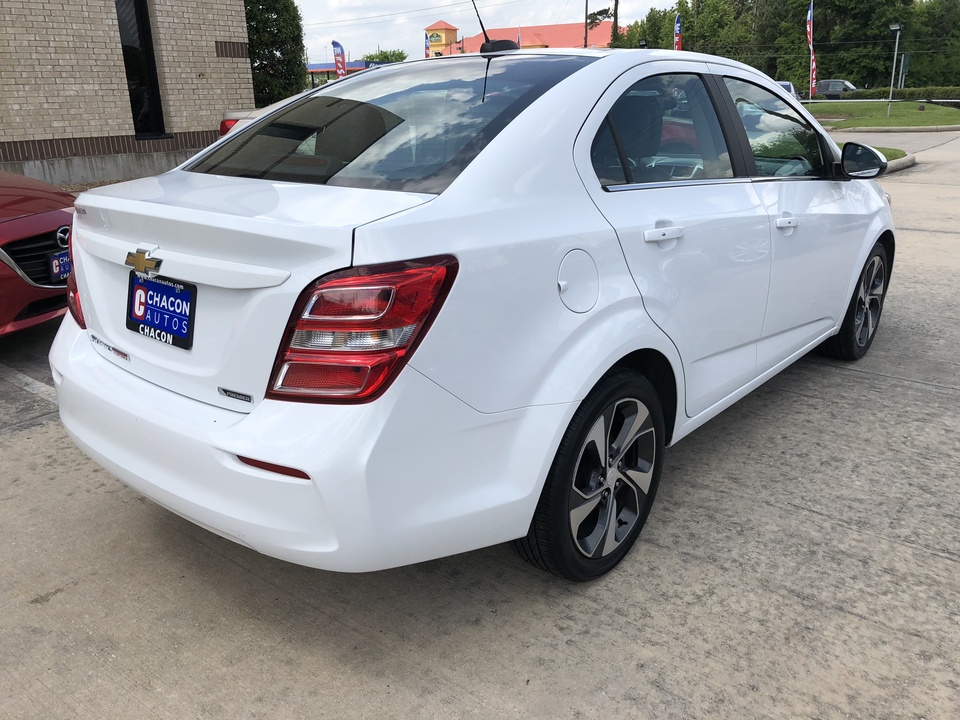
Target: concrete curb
[[901, 164], [931, 128]]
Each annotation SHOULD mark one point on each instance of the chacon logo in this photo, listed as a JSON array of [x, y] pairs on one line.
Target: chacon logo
[[63, 236], [143, 264]]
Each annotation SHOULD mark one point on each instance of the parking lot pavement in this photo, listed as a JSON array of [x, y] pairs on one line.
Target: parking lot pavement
[[801, 561]]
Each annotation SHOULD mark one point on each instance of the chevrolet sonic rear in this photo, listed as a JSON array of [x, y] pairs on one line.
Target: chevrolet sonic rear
[[455, 302]]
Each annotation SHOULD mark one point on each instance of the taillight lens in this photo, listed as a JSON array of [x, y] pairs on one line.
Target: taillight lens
[[73, 293], [225, 126], [351, 332]]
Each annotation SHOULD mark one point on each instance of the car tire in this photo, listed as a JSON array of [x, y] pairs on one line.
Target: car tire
[[860, 324], [602, 483]]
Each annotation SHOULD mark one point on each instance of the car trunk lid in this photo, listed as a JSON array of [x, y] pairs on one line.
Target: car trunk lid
[[234, 254]]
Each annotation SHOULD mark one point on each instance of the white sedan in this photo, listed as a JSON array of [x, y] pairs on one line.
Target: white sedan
[[462, 301]]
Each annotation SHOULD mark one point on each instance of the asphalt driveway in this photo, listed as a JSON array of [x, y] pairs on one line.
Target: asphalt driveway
[[802, 561]]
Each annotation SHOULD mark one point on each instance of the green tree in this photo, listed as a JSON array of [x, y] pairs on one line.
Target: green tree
[[277, 55], [615, 39], [595, 18], [385, 56], [634, 35]]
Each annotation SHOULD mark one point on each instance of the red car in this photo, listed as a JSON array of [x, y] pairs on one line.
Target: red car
[[35, 220]]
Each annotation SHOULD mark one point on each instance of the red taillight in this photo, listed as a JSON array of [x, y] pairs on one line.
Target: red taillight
[[73, 294], [225, 126], [351, 332]]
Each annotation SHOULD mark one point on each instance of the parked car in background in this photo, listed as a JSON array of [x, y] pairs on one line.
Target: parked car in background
[[237, 119], [834, 89], [788, 86], [35, 221], [465, 300]]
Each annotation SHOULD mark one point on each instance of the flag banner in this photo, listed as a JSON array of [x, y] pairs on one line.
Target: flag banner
[[339, 59], [677, 34], [518, 36], [426, 44], [813, 55], [813, 73]]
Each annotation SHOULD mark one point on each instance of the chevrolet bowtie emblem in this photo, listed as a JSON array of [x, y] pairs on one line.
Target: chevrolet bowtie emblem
[[142, 263]]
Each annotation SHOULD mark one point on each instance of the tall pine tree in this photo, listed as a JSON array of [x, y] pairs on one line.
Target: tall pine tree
[[277, 55]]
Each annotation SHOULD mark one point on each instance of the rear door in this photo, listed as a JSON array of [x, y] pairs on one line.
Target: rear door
[[696, 237]]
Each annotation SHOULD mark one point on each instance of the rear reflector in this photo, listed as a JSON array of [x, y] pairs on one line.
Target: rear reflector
[[351, 332], [225, 126], [272, 467]]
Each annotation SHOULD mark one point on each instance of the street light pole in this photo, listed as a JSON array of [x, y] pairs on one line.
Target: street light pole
[[895, 27]]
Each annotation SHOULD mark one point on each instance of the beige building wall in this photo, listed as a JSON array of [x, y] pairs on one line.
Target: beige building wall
[[196, 84], [61, 70], [65, 111]]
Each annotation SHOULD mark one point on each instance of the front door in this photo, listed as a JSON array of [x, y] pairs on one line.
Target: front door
[[817, 223]]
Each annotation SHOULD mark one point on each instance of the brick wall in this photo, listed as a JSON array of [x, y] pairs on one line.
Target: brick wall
[[62, 75], [198, 83], [61, 71]]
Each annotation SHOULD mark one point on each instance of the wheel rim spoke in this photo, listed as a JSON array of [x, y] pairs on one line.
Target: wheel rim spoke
[[628, 434], [582, 511], [640, 478]]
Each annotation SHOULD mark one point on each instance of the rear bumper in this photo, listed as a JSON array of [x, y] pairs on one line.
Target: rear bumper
[[413, 476]]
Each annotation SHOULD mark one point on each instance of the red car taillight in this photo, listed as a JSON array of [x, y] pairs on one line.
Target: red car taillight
[[73, 294], [225, 126], [352, 331]]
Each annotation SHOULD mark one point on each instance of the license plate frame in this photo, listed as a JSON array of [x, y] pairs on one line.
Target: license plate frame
[[162, 308], [59, 264]]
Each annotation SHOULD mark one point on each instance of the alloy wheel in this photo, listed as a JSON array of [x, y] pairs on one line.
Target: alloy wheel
[[869, 300], [612, 478]]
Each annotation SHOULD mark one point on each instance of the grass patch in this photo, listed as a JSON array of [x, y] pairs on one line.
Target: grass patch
[[890, 153], [852, 113]]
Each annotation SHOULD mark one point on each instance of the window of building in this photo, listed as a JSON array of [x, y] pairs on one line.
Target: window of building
[[141, 67]]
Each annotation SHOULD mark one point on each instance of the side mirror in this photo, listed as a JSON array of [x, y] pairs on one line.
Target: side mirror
[[861, 161]]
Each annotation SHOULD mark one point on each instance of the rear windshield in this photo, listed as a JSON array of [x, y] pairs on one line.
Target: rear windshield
[[411, 127]]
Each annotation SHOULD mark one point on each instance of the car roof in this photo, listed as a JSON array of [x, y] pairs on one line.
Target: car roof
[[626, 57]]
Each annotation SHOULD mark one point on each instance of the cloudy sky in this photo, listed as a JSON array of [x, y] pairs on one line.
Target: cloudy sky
[[362, 26]]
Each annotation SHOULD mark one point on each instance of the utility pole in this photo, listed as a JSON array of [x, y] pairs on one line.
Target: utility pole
[[586, 21]]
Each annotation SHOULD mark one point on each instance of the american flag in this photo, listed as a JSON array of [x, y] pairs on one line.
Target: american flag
[[426, 44], [678, 34]]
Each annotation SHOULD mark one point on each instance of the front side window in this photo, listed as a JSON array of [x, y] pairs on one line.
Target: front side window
[[782, 142], [663, 128], [412, 126]]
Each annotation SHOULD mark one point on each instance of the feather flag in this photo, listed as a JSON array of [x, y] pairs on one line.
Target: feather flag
[[677, 34], [339, 59]]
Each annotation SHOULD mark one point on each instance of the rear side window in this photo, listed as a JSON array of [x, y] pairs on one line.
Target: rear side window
[[663, 128], [412, 127]]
